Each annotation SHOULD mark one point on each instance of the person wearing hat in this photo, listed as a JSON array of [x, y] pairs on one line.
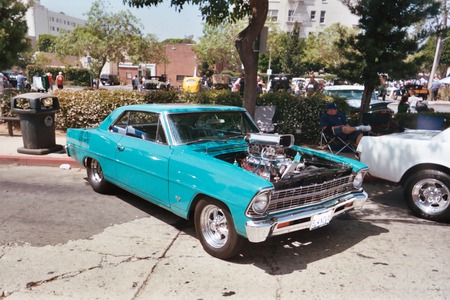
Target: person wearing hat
[[336, 122]]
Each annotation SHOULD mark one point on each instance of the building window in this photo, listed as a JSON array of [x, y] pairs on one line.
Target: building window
[[291, 17], [273, 15], [322, 17], [313, 15]]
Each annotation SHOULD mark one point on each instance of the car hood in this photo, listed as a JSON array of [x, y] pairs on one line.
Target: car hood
[[356, 103]]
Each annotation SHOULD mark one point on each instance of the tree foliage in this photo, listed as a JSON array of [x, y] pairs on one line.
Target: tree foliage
[[46, 42], [384, 40], [322, 51], [216, 46], [13, 30], [109, 37], [292, 51], [217, 12]]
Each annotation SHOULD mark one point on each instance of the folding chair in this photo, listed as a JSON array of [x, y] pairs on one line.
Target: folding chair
[[334, 143], [430, 122], [263, 118]]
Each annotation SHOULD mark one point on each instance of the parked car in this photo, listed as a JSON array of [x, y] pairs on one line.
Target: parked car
[[419, 161], [420, 90], [11, 77], [280, 83], [192, 84], [213, 165], [155, 83], [109, 79], [353, 95]]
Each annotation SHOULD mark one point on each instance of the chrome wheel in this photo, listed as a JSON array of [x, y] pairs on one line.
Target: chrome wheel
[[215, 229], [214, 226], [96, 171], [97, 178], [431, 196], [427, 194]]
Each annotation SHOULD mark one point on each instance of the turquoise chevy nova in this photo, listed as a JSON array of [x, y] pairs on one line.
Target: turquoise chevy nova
[[212, 164]]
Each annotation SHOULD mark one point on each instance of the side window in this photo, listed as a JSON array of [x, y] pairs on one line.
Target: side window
[[142, 125], [121, 124]]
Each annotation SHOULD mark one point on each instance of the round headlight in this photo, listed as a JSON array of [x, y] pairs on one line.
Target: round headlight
[[358, 180], [261, 202]]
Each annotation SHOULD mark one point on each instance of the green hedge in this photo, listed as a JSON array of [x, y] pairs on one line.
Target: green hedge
[[293, 114]]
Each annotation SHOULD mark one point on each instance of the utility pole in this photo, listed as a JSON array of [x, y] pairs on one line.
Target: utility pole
[[438, 52]]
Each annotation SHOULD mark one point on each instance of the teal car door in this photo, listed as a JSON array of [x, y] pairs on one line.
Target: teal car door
[[143, 157]]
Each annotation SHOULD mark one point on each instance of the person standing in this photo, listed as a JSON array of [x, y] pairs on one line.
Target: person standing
[[20, 81], [50, 80], [435, 88], [313, 86], [1, 82], [135, 82], [60, 80]]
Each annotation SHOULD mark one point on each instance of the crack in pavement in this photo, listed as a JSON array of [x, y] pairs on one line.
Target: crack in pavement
[[159, 259], [101, 265]]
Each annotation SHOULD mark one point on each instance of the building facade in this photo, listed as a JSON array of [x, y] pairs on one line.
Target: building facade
[[40, 20], [313, 16]]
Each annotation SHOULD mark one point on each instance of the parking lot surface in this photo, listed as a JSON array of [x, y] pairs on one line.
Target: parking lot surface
[[61, 240]]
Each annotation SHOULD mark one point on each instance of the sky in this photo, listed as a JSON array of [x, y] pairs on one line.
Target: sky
[[162, 21]]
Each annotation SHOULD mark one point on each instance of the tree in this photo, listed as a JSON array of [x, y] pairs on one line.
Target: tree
[[217, 12], [109, 37], [292, 51], [384, 41], [13, 30], [321, 51], [46, 42], [216, 46]]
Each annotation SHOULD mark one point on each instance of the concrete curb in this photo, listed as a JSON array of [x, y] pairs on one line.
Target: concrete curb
[[38, 161]]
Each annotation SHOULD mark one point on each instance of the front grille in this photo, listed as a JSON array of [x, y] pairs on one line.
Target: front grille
[[287, 199]]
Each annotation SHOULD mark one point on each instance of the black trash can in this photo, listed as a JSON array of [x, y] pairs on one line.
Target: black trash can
[[36, 112]]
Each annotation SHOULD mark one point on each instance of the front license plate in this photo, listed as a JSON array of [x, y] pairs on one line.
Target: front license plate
[[321, 219]]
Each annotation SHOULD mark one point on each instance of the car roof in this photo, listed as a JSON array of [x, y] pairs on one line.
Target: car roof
[[344, 87], [179, 108]]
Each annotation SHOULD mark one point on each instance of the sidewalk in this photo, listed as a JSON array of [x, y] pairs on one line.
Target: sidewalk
[[9, 154]]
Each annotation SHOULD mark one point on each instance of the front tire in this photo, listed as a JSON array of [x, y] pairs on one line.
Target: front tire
[[427, 195], [215, 229], [96, 177]]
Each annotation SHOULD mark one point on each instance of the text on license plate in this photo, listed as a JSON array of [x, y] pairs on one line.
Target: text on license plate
[[321, 219]]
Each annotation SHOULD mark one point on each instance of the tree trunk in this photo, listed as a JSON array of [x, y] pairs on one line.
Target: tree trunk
[[365, 101], [249, 58]]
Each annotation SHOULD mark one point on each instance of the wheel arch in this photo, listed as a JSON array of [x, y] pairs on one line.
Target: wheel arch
[[199, 197], [421, 167]]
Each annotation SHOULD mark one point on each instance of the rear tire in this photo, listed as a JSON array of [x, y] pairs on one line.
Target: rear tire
[[427, 195], [96, 177], [215, 229]]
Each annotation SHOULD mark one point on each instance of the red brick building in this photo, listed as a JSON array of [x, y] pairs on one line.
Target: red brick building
[[182, 63]]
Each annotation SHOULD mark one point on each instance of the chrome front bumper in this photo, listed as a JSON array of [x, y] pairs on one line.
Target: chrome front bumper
[[260, 230]]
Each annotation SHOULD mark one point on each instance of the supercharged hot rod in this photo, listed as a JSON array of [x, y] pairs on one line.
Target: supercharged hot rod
[[212, 164]]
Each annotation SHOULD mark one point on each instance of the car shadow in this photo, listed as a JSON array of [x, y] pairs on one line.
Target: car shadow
[[292, 252], [282, 254]]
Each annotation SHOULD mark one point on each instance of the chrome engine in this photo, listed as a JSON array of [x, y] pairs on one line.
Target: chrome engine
[[267, 156]]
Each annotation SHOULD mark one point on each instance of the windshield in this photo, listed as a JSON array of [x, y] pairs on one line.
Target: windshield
[[349, 94], [210, 126]]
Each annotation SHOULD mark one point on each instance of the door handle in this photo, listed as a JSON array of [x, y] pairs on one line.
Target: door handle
[[120, 147]]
